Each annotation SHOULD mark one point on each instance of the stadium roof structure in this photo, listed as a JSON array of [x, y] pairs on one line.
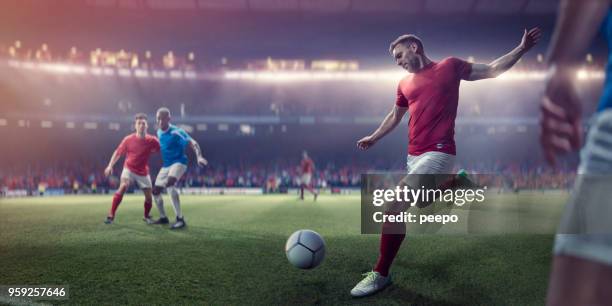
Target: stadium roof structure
[[435, 7]]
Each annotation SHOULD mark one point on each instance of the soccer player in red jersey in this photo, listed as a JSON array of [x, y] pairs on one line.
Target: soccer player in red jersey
[[430, 94], [137, 148], [307, 169]]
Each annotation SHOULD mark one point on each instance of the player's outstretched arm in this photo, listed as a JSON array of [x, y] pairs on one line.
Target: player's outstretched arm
[[198, 152], [109, 169], [388, 124], [502, 64], [577, 24]]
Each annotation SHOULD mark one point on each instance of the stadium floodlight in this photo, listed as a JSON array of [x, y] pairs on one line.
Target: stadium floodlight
[[277, 76], [109, 71], [29, 65], [46, 124], [191, 75], [90, 125], [176, 74], [125, 72], [158, 74], [141, 73], [95, 71]]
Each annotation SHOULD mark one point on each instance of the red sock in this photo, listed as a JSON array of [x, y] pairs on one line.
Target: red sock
[[390, 241], [389, 245], [116, 201], [147, 208]]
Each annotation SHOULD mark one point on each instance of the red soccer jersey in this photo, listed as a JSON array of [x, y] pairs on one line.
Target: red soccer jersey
[[307, 165], [137, 151], [432, 96]]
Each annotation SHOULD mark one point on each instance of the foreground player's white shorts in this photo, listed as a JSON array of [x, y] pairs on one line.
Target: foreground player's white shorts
[[175, 170], [586, 227], [143, 181], [430, 163], [306, 178], [433, 162]]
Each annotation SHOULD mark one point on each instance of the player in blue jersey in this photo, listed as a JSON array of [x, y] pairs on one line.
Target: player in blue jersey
[[582, 265], [173, 141]]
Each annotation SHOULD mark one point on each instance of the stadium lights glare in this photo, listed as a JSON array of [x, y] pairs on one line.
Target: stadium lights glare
[[176, 74], [583, 74], [141, 73], [270, 76]]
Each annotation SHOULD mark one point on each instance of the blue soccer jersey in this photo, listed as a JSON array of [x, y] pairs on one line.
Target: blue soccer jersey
[[605, 101], [173, 142]]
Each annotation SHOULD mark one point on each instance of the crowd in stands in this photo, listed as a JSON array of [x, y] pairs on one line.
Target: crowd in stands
[[78, 177]]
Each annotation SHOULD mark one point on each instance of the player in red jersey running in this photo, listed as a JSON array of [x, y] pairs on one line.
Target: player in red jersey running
[[307, 169], [430, 94], [137, 148]]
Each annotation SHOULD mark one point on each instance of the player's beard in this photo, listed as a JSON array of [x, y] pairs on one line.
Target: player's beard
[[414, 64]]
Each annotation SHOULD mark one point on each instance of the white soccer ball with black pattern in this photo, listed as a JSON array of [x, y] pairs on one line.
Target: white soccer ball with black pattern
[[305, 249]]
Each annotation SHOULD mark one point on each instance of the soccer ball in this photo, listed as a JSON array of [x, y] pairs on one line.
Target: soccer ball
[[305, 249]]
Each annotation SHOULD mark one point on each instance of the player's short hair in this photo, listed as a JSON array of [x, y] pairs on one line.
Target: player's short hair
[[407, 39], [163, 110], [140, 116]]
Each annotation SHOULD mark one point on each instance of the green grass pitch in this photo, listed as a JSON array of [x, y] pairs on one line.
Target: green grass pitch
[[232, 252]]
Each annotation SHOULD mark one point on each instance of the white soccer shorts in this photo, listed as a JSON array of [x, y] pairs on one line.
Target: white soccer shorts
[[175, 170], [586, 230], [430, 163], [143, 181], [306, 178]]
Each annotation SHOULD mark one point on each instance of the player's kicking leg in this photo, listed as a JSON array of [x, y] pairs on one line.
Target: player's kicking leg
[[393, 234], [118, 196]]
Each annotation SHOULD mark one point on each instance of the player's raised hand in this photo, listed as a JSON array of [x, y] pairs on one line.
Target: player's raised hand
[[561, 111], [108, 171], [366, 142], [530, 38], [202, 161]]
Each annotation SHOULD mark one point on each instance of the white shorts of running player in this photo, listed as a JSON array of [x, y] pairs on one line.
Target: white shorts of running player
[[586, 230], [175, 170], [306, 178], [143, 181], [430, 163]]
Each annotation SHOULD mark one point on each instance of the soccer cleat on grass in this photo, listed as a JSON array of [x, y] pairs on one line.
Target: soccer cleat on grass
[[180, 223], [372, 283], [148, 220], [463, 180], [109, 220], [316, 195], [163, 220]]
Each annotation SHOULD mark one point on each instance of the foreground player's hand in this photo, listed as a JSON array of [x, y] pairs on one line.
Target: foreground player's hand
[[202, 161], [366, 142], [530, 38], [108, 171], [561, 116]]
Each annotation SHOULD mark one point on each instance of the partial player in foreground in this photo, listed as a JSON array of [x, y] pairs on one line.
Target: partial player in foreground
[[582, 265], [307, 167], [173, 141], [430, 93], [137, 148]]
